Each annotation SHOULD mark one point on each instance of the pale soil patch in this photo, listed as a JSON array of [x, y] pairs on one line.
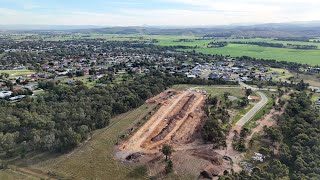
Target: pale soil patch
[[268, 120], [175, 122]]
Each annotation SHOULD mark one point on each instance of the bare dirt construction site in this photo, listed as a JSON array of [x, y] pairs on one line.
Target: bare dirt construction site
[[177, 122]]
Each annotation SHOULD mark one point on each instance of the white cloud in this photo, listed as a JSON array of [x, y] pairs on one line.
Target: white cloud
[[198, 12], [7, 12]]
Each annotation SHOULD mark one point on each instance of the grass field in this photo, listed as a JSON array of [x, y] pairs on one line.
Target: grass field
[[311, 57], [8, 174], [84, 79], [236, 91], [94, 159], [279, 73], [269, 40], [16, 73], [313, 80]]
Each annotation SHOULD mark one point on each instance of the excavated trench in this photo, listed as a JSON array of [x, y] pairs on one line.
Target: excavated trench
[[171, 121]]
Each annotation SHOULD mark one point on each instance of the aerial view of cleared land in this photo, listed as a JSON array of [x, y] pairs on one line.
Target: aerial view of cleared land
[[153, 108], [206, 89], [215, 115]]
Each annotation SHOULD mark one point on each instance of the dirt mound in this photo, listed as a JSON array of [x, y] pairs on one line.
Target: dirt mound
[[172, 121], [190, 129], [178, 108], [134, 157], [162, 97], [209, 155], [210, 172]]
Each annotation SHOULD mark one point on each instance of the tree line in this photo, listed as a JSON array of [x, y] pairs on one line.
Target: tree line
[[217, 44], [66, 114], [278, 45]]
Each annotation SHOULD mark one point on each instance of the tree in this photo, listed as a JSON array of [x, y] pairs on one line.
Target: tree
[[9, 84], [212, 131], [213, 100], [226, 95], [277, 169], [167, 150], [4, 75], [243, 102], [79, 73], [169, 167], [248, 92]]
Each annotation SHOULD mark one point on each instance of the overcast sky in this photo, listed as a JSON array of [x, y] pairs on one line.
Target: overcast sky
[[156, 12]]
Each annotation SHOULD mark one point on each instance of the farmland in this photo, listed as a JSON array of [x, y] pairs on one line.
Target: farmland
[[282, 54]]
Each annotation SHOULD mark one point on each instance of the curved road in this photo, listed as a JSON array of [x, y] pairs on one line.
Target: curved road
[[229, 151], [254, 110]]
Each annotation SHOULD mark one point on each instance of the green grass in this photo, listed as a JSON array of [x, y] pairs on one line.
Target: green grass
[[199, 43], [95, 160], [9, 174], [312, 79], [315, 97], [241, 113], [269, 40], [84, 79], [311, 57], [282, 74], [39, 92], [216, 90], [281, 54], [264, 110], [15, 73]]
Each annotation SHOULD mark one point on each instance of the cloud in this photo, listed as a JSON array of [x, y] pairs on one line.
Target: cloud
[[8, 12], [172, 12]]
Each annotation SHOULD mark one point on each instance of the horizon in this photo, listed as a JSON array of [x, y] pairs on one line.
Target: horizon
[[315, 23], [156, 12]]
